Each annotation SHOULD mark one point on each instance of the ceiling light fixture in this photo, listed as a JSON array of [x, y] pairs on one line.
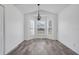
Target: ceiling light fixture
[[38, 17]]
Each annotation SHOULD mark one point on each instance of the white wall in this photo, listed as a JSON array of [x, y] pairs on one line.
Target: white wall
[[14, 28], [68, 27], [1, 29], [49, 16]]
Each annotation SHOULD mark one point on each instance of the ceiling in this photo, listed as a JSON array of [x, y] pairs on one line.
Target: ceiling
[[53, 8]]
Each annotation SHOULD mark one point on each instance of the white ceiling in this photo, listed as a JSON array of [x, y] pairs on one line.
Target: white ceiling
[[53, 8]]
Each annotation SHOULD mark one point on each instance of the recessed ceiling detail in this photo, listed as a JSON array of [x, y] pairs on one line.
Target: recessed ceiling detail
[[53, 8]]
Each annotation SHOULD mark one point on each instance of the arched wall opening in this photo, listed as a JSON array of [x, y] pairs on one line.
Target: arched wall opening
[[48, 28]]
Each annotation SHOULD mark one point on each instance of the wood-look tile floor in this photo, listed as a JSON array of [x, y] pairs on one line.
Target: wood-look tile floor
[[42, 47]]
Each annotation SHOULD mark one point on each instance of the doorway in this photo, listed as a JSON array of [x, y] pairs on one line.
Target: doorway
[[44, 28]]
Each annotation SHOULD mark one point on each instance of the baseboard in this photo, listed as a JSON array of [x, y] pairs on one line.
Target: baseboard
[[14, 48], [68, 47]]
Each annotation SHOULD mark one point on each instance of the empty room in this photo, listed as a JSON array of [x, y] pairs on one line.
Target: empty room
[[39, 29]]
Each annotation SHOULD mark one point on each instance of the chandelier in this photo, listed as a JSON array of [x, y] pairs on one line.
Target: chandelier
[[38, 16]]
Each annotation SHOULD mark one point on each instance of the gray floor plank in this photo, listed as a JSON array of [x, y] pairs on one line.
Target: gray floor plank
[[42, 47]]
